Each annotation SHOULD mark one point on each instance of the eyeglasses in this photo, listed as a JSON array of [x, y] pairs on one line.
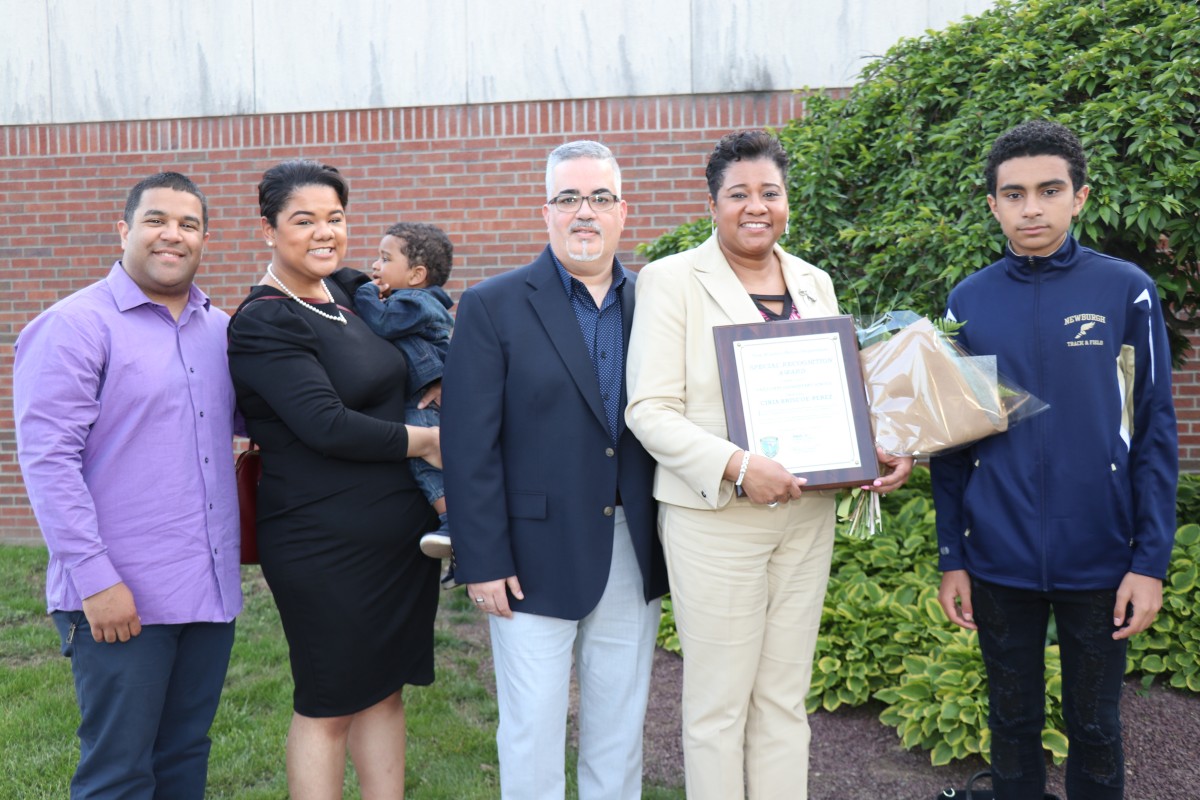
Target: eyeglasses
[[599, 202]]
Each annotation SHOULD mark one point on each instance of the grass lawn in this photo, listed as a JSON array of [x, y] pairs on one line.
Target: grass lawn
[[451, 725]]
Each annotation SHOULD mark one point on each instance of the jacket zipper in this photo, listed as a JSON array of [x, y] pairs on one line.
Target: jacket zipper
[[1041, 462]]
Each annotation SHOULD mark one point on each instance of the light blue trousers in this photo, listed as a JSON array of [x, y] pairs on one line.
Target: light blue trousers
[[613, 650]]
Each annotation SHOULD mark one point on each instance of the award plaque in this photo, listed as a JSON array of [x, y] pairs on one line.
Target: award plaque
[[794, 392]]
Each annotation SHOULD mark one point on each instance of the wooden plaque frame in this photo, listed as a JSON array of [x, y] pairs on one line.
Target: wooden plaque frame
[[832, 336]]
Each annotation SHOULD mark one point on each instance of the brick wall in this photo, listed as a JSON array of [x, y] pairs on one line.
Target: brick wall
[[1187, 407], [477, 171]]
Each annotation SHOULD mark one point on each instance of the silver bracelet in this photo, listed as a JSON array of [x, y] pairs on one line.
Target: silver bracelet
[[742, 472]]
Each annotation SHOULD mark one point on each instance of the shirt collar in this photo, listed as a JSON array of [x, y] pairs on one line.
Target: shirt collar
[[618, 278], [129, 295]]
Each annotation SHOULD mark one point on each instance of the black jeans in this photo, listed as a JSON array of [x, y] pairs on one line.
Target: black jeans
[[1012, 635]]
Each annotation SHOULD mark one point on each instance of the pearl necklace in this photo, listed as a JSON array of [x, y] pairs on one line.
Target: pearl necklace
[[339, 318]]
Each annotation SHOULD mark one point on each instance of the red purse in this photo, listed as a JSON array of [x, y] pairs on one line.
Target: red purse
[[248, 469]]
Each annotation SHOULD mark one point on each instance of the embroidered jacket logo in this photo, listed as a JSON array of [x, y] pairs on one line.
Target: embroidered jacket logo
[[1080, 327]]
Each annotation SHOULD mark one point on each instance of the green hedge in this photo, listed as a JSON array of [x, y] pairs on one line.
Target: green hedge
[[886, 184], [884, 635], [1171, 648]]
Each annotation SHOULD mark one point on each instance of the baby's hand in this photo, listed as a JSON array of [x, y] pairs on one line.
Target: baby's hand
[[432, 396], [384, 289]]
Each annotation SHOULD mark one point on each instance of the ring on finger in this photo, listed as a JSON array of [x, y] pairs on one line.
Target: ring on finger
[[479, 600]]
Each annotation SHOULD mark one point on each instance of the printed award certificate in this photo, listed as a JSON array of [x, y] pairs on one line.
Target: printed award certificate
[[794, 392]]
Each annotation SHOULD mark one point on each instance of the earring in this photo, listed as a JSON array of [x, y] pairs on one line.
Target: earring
[[787, 227], [270, 242]]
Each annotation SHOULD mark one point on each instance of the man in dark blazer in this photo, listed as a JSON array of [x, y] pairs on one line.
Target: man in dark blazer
[[554, 523]]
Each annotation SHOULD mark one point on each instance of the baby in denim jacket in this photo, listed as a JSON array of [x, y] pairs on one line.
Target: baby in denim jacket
[[406, 304]]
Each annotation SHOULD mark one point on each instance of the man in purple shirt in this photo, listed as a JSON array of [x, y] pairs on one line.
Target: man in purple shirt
[[125, 413]]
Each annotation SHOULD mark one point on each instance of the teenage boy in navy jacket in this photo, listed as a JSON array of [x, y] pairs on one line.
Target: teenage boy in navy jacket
[[1074, 510]]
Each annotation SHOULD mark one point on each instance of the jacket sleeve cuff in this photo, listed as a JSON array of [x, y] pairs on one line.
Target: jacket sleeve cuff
[[718, 492], [1151, 568], [949, 558]]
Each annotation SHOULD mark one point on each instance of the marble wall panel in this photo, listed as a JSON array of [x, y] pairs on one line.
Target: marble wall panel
[[314, 55], [759, 45], [141, 60], [548, 49], [24, 63], [102, 60]]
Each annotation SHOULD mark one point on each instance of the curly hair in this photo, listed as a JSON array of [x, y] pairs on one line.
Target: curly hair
[[1039, 137], [742, 146], [425, 245]]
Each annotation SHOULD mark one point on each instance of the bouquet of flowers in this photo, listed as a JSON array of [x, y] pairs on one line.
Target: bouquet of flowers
[[928, 395]]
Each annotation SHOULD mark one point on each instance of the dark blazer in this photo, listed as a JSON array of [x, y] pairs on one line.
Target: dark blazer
[[530, 471]]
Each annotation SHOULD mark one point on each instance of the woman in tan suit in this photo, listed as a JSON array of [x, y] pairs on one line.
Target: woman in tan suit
[[747, 574]]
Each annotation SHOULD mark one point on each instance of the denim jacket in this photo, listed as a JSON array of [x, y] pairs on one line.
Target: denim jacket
[[417, 321]]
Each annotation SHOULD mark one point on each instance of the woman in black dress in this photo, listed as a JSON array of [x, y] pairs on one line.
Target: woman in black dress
[[339, 516]]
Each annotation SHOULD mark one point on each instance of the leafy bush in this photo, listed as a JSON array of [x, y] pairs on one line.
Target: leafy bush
[[668, 639], [1171, 648], [884, 636], [1187, 501], [940, 702], [881, 604], [886, 184]]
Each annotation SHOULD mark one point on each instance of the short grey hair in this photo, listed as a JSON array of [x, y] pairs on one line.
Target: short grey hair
[[583, 148]]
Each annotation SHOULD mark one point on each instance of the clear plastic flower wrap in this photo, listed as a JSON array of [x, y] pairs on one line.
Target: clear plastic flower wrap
[[927, 394]]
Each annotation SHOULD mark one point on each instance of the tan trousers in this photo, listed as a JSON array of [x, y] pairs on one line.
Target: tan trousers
[[747, 587]]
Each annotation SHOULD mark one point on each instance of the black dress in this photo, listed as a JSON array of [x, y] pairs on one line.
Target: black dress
[[339, 515]]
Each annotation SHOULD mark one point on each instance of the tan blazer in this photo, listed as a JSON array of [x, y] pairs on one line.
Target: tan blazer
[[675, 407]]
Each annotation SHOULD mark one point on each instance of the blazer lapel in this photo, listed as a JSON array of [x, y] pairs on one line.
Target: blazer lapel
[[553, 309], [628, 292], [802, 286], [718, 279]]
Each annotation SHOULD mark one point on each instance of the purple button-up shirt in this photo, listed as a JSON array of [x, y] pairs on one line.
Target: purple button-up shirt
[[125, 423]]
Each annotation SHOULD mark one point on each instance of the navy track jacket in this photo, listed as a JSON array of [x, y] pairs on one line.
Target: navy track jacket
[[1081, 494]]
